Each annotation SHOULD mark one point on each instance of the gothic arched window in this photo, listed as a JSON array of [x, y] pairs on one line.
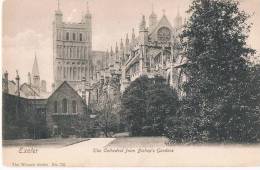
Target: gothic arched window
[[74, 36], [80, 37], [67, 36], [164, 34], [55, 104], [64, 106], [74, 106]]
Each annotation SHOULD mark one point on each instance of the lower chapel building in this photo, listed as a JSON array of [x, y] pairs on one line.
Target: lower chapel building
[[85, 79]]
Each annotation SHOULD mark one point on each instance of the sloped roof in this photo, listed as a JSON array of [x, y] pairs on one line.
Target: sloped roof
[[163, 22], [65, 83], [33, 92], [11, 87]]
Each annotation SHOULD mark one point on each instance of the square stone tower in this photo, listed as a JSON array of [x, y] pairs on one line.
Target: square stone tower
[[72, 48]]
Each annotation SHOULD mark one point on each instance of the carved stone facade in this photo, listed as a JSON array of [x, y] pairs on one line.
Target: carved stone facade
[[72, 48], [155, 51]]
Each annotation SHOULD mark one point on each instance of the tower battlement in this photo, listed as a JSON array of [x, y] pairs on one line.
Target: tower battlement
[[72, 47]]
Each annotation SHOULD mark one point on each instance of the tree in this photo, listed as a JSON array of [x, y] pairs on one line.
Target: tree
[[161, 103], [218, 73], [108, 107], [134, 104], [147, 103]]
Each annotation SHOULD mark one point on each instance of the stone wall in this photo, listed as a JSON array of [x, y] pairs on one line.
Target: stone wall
[[66, 123]]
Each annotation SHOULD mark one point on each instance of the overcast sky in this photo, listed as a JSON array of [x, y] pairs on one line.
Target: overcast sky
[[27, 27]]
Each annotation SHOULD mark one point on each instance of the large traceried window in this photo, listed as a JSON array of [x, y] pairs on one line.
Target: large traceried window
[[164, 34], [74, 106], [64, 106]]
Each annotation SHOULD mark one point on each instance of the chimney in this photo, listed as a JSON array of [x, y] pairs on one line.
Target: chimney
[[29, 79], [43, 86], [17, 83], [5, 82]]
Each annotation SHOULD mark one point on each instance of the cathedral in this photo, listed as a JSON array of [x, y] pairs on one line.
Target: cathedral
[[154, 51], [86, 80]]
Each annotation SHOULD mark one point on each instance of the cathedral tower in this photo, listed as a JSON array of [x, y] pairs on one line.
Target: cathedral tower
[[72, 47]]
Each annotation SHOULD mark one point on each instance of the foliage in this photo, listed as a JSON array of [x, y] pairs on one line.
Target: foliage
[[21, 119], [221, 103], [108, 106], [146, 104], [74, 125]]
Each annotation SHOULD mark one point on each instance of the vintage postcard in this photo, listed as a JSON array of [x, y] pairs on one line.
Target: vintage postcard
[[130, 83]]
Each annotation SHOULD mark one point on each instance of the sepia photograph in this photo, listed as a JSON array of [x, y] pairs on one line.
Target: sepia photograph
[[130, 83]]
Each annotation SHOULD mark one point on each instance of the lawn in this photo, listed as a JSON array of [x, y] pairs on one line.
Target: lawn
[[139, 142], [50, 142]]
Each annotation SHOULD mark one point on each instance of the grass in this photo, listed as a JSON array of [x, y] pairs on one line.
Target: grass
[[50, 142], [139, 142]]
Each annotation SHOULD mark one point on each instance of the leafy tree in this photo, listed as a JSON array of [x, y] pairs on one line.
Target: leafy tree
[[134, 104], [147, 103], [107, 110], [219, 77], [161, 102]]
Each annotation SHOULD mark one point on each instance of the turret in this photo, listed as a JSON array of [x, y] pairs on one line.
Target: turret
[[121, 53], [111, 58], [178, 21], [143, 41], [152, 20], [143, 32], [88, 16], [58, 15], [107, 59], [126, 51], [117, 62], [88, 22], [126, 44], [116, 53], [142, 25], [133, 34], [121, 45]]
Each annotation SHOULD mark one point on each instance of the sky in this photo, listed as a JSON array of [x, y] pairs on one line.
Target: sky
[[27, 27]]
